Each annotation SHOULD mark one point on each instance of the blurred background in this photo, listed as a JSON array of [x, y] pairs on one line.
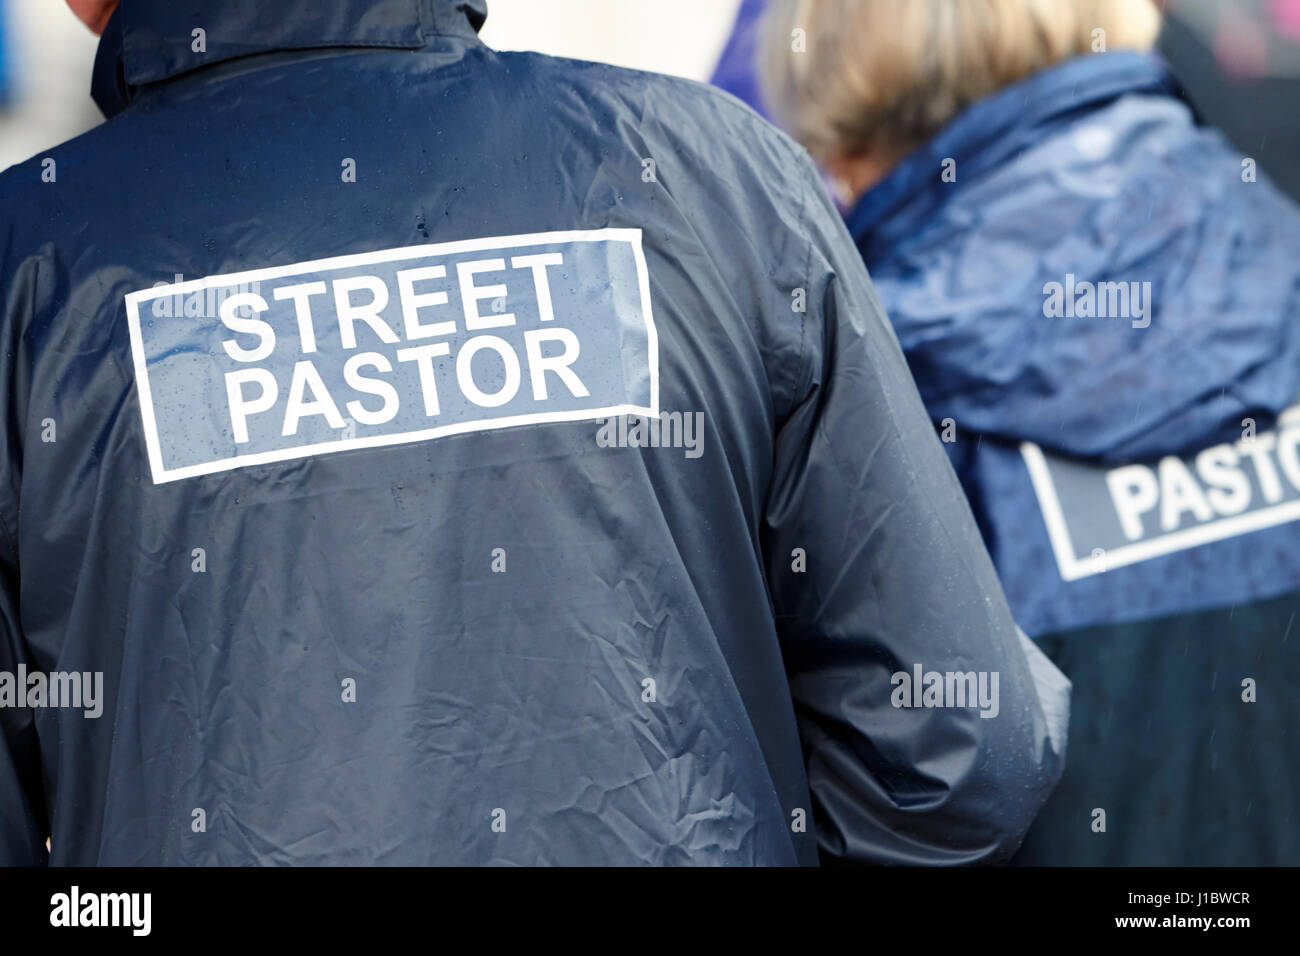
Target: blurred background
[[1239, 60], [45, 60]]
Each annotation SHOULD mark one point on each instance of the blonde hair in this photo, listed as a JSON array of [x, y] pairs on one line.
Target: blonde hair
[[884, 76]]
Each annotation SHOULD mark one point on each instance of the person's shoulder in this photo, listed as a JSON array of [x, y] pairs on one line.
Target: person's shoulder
[[49, 173], [19, 183], [687, 108]]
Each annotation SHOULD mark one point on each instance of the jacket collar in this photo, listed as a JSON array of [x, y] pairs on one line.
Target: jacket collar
[[994, 130], [148, 41]]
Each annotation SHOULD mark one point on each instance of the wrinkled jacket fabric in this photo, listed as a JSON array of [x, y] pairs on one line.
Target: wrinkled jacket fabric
[[1136, 476], [511, 644]]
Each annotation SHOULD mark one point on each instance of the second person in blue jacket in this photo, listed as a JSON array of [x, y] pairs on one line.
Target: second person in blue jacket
[[1098, 299]]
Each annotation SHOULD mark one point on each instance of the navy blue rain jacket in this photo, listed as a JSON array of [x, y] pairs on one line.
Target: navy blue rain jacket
[[1134, 467], [446, 456], [1099, 299]]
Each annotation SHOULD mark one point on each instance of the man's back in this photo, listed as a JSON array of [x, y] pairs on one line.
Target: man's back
[[376, 564]]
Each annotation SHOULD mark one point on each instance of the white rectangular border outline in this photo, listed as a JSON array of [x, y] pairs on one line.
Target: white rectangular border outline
[[162, 475], [1072, 567]]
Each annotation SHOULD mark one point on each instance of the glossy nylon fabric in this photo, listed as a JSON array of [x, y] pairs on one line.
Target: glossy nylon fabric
[[1097, 167], [516, 698]]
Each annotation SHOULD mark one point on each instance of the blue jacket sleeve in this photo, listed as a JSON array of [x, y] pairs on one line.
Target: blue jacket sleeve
[[878, 573], [23, 827]]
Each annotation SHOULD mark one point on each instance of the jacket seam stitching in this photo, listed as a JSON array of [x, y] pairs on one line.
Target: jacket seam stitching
[[802, 374]]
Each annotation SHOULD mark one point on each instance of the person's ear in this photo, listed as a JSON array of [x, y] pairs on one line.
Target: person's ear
[[93, 13], [852, 174], [844, 172]]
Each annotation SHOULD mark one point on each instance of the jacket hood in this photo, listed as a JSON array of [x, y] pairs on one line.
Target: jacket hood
[[1091, 172], [147, 41]]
